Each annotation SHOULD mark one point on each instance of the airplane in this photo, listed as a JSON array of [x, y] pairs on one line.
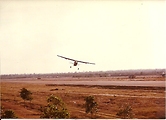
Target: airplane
[[75, 61]]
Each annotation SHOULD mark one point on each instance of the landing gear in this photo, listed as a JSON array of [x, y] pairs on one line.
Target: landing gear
[[71, 67]]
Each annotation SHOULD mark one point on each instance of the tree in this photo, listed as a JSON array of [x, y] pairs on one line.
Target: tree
[[55, 109], [125, 112], [26, 94], [90, 105], [8, 114]]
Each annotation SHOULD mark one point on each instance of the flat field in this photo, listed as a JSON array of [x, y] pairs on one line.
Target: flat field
[[146, 101]]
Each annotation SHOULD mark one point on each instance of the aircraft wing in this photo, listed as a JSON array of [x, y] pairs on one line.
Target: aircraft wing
[[86, 62], [66, 58], [75, 60]]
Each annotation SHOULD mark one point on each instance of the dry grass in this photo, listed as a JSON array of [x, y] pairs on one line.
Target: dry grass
[[146, 103]]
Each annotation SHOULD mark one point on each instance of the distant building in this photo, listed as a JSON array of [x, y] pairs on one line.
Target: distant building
[[163, 74], [131, 76]]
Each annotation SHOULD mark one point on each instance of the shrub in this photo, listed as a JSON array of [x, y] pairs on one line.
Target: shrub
[[125, 112], [8, 114], [26, 94], [90, 105], [54, 109]]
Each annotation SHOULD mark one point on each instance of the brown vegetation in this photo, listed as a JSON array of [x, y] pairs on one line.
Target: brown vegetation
[[145, 103]]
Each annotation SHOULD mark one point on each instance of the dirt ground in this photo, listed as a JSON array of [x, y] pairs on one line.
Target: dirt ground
[[146, 102]]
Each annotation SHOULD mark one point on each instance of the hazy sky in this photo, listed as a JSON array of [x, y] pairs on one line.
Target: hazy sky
[[116, 35]]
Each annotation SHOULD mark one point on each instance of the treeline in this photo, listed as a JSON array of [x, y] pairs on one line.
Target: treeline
[[115, 73]]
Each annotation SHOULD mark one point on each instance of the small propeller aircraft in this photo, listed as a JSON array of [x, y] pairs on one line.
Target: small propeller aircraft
[[75, 61]]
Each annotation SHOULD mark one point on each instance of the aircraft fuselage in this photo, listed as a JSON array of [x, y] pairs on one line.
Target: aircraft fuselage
[[75, 63]]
